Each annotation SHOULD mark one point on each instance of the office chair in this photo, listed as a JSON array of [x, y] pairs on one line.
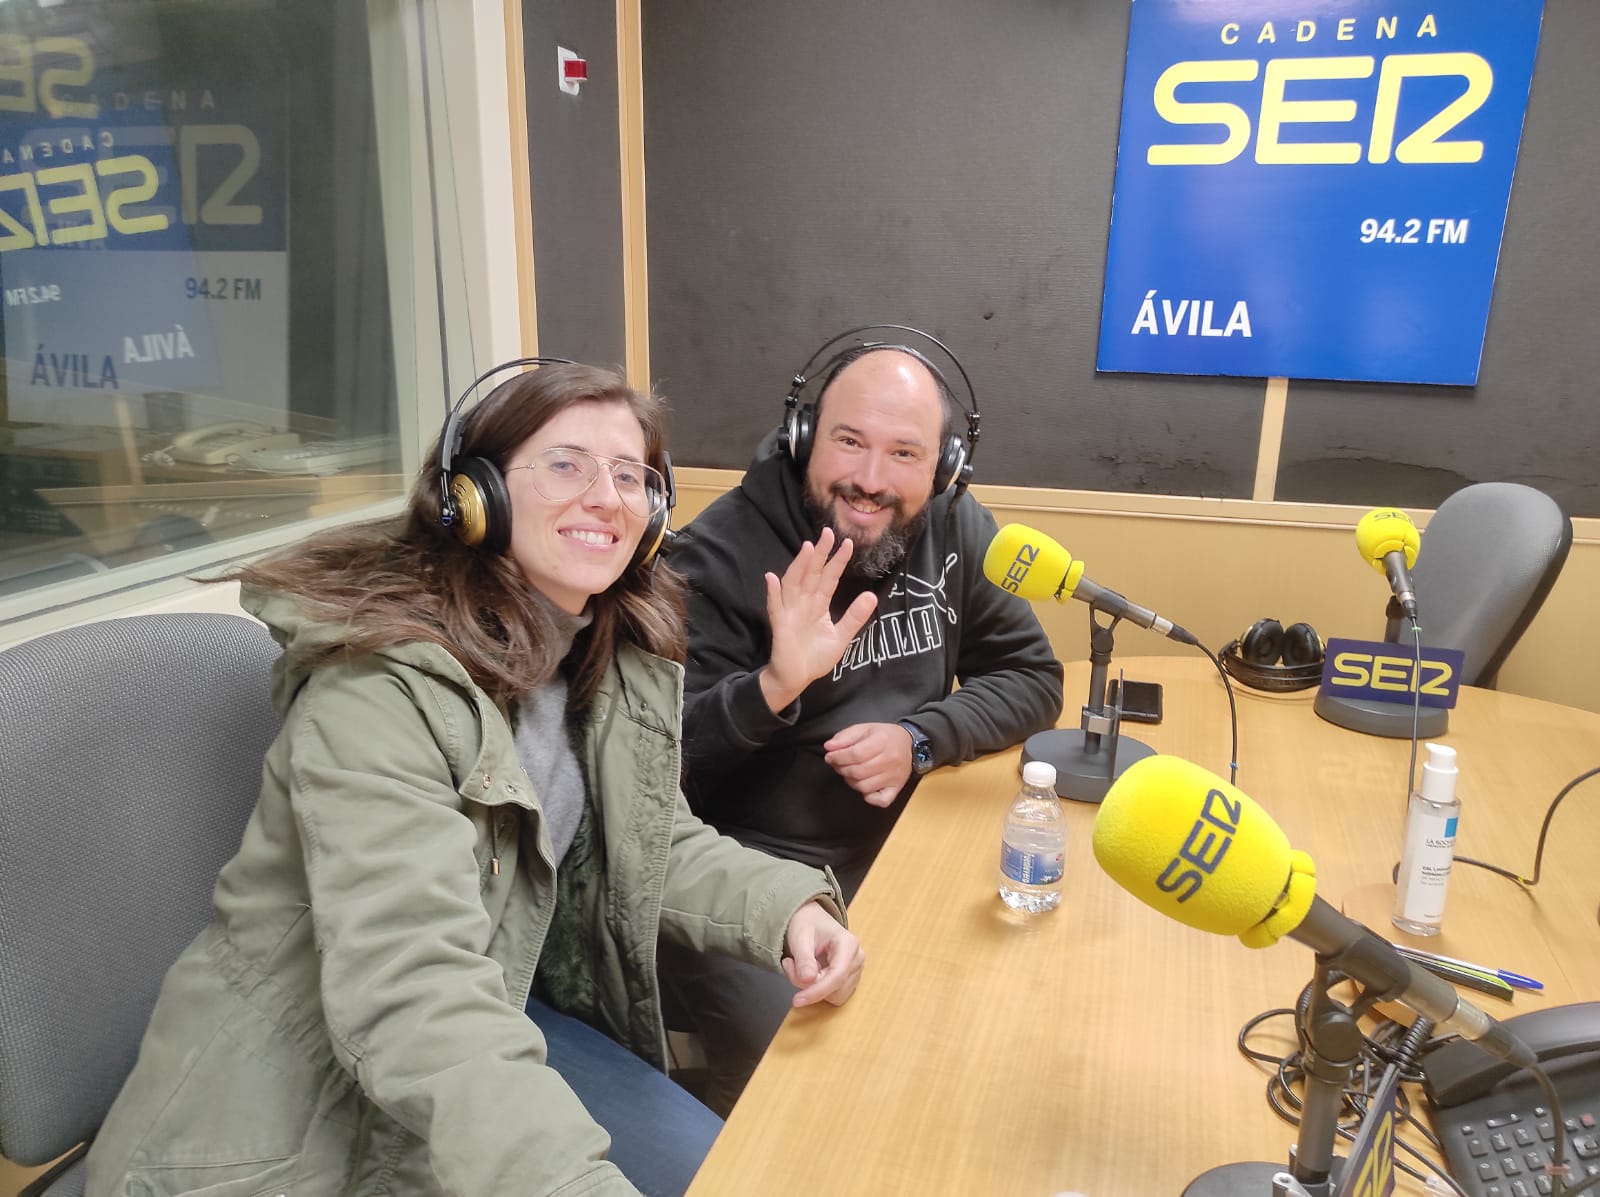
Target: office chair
[[130, 761], [1488, 559]]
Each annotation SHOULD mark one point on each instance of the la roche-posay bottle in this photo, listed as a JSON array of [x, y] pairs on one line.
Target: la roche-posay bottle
[[1430, 846]]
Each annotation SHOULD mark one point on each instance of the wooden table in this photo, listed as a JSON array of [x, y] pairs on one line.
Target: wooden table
[[1092, 1050]]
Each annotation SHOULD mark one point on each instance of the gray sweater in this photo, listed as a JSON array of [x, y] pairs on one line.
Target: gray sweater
[[544, 748]]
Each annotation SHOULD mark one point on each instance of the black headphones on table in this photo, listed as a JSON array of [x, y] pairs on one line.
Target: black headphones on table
[[475, 503], [797, 433], [1274, 658]]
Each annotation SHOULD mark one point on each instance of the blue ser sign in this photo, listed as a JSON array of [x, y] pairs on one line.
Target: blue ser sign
[[1314, 188]]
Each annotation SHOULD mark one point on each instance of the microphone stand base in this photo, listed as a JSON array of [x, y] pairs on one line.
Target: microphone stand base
[[1256, 1179], [1392, 719], [1084, 772]]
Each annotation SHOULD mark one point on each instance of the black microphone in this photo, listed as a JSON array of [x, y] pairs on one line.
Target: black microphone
[[1182, 840], [1371, 960], [1028, 563]]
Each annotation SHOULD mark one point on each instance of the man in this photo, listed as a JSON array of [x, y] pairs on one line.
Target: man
[[833, 600]]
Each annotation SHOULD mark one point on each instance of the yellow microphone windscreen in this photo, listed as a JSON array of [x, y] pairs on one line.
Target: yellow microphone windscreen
[[1384, 531], [1182, 840], [1027, 562]]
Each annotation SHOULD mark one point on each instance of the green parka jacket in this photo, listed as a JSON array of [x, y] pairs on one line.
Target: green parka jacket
[[351, 1022]]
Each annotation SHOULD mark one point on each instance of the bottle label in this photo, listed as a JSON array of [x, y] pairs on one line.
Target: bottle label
[[1031, 868], [1425, 868]]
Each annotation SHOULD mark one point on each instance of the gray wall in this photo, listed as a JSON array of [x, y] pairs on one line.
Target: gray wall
[[1534, 416], [813, 166], [575, 185]]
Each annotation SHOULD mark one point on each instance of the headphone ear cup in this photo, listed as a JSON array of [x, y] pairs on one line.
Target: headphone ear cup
[[964, 477], [1302, 647], [655, 535], [1253, 658], [659, 528], [1263, 643], [483, 505], [952, 464], [799, 427]]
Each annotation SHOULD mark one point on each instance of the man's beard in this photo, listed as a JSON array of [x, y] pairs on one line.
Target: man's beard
[[869, 562]]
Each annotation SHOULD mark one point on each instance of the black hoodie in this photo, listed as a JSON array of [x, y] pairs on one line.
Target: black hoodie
[[761, 777]]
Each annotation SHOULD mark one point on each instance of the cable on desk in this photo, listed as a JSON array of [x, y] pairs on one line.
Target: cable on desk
[[1409, 1049], [1416, 709], [1544, 833], [1411, 785], [1582, 1187], [1233, 715], [1390, 1043]]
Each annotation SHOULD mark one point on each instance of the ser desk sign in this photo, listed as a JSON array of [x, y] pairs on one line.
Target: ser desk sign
[[1314, 189], [1384, 672]]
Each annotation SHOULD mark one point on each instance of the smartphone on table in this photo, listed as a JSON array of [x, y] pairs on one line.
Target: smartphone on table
[[1141, 701]]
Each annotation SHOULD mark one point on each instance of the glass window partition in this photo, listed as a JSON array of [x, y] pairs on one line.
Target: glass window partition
[[221, 276]]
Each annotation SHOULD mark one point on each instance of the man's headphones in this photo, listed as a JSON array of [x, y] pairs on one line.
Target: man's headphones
[[475, 503], [1272, 657], [798, 432]]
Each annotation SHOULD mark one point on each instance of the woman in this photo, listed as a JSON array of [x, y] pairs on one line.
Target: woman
[[474, 799]]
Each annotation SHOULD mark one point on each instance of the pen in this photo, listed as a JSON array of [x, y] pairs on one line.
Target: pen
[[1516, 980], [1460, 974]]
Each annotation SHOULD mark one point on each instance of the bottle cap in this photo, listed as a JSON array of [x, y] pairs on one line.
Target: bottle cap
[[1439, 773], [1040, 773]]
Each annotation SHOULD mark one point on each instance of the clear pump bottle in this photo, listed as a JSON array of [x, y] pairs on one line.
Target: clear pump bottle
[[1430, 846]]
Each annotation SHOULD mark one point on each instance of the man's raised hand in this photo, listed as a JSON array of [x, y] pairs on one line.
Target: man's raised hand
[[806, 641]]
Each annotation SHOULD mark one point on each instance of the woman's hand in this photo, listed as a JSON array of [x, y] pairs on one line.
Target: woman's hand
[[823, 959]]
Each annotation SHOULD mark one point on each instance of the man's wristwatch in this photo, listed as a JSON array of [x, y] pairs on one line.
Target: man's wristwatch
[[921, 748]]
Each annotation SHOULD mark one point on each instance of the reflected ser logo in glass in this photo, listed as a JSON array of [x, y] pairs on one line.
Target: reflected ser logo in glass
[[83, 158]]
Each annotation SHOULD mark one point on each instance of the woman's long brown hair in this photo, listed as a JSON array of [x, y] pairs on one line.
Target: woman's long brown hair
[[412, 578]]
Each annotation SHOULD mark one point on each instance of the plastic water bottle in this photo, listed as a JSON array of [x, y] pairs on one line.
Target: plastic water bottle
[[1033, 846]]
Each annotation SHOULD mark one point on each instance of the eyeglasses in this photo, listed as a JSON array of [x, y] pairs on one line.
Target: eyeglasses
[[560, 475]]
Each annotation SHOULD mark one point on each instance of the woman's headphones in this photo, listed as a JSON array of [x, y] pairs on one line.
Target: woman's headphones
[[475, 503], [797, 433], [1272, 657]]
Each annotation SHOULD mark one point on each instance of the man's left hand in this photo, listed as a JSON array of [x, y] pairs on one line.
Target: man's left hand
[[875, 758]]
